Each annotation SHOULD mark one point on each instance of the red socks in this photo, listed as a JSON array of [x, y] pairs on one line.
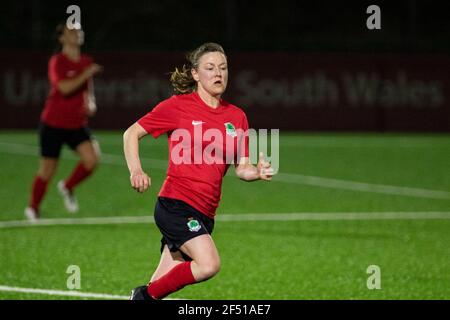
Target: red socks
[[39, 186], [37, 192], [79, 174], [180, 276]]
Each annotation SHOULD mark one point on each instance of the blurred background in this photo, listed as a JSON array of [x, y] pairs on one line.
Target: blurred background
[[295, 65]]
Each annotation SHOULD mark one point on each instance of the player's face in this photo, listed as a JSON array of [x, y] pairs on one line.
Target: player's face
[[212, 73], [74, 37]]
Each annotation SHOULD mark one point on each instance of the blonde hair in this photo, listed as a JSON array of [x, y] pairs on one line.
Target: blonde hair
[[181, 79]]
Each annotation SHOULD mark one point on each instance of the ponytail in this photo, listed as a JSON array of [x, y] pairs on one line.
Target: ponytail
[[182, 80]]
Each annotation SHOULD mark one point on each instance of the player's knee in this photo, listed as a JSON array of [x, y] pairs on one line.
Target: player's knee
[[46, 172], [210, 268], [91, 162], [45, 175]]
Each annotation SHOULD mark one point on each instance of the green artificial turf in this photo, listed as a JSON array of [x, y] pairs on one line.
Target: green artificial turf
[[323, 259]]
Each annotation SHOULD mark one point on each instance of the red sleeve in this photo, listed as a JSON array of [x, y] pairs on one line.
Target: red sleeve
[[163, 118], [89, 59], [55, 70]]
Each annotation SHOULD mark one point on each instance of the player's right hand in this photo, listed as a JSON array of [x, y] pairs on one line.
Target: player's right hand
[[93, 69], [140, 181]]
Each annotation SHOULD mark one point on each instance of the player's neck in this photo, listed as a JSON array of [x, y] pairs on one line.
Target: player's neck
[[72, 52], [211, 101]]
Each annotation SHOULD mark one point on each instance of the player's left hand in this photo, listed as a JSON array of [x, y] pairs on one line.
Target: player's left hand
[[90, 105], [265, 171]]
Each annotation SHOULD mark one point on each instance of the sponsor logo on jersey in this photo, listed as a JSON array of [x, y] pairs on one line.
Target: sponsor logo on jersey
[[196, 123], [230, 129]]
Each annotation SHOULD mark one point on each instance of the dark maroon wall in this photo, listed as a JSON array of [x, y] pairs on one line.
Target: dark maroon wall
[[286, 91]]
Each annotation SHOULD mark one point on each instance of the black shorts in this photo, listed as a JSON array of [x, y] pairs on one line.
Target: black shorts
[[180, 222], [52, 139]]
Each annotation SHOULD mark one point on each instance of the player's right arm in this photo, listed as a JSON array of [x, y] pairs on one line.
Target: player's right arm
[[140, 181], [69, 86]]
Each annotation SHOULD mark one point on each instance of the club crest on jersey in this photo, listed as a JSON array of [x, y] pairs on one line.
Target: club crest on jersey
[[230, 129], [193, 225]]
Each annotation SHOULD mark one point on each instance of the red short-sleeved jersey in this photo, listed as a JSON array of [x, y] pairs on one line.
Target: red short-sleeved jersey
[[67, 112], [202, 141]]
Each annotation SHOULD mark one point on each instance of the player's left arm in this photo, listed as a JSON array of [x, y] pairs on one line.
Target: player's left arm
[[248, 172], [90, 102]]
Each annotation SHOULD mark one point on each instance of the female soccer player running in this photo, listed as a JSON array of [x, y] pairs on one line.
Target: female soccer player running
[[187, 202], [70, 101]]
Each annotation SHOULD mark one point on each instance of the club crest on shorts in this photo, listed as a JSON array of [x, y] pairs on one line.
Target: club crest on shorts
[[193, 225], [230, 129]]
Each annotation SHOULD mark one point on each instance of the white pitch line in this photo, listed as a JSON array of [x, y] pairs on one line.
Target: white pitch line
[[76, 221], [114, 159], [78, 294], [330, 216], [361, 186], [296, 216], [397, 143]]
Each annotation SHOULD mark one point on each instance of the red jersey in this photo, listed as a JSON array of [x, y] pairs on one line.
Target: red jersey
[[197, 166], [67, 112]]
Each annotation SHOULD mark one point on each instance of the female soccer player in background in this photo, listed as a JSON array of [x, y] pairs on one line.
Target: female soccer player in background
[[188, 199], [64, 120]]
